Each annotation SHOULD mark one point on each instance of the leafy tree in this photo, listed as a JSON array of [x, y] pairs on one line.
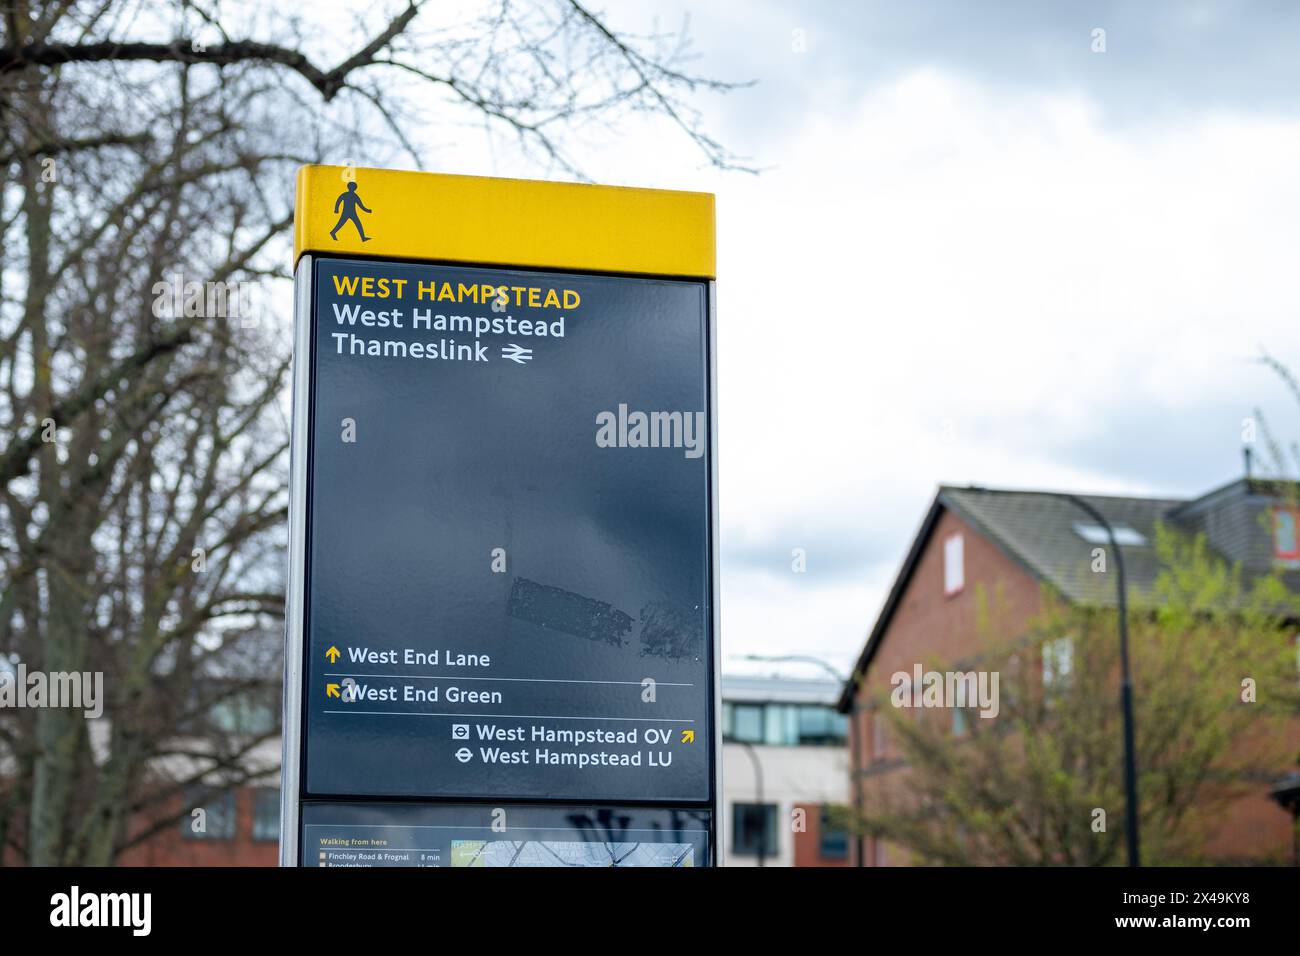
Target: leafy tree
[[1215, 684]]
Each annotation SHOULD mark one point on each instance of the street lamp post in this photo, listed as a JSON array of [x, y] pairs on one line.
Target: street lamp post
[[854, 753], [1126, 686]]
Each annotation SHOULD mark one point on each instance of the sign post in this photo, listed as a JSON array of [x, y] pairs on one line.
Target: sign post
[[502, 621]]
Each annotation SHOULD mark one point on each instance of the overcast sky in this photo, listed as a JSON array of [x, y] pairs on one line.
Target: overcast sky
[[979, 252]]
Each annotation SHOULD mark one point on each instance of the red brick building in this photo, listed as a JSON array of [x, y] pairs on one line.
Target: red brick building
[[241, 828], [824, 830], [1012, 543]]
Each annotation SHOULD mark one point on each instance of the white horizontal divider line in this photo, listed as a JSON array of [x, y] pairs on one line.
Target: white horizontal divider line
[[466, 716], [530, 680]]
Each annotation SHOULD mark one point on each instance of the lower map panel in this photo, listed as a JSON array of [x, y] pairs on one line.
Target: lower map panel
[[399, 834]]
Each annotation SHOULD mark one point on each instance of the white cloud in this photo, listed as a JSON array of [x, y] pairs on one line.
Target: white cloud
[[948, 279], [945, 283]]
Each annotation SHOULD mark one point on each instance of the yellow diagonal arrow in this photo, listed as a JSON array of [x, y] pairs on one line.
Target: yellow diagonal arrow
[[332, 690], [333, 655], [688, 736]]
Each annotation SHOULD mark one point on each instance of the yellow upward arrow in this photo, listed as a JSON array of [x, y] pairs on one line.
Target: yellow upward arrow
[[688, 736], [333, 654], [332, 690]]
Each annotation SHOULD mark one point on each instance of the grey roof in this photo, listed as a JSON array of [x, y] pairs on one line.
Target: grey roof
[[1037, 529], [781, 690]]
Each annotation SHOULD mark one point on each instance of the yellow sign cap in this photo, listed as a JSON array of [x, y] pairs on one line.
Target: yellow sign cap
[[394, 214]]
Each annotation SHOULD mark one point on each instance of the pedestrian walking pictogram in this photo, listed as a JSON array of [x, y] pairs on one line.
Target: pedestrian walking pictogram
[[350, 200]]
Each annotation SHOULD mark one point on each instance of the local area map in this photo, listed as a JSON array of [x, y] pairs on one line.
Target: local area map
[[561, 853]]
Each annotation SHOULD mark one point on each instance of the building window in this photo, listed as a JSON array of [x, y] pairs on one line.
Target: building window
[[833, 837], [266, 815], [1286, 547], [954, 566], [784, 725], [1124, 535], [821, 725], [959, 721], [747, 723], [1058, 662], [780, 725], [216, 822], [253, 714], [878, 735], [753, 829]]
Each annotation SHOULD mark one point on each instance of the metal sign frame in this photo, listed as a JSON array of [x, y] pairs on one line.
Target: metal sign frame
[[303, 378]]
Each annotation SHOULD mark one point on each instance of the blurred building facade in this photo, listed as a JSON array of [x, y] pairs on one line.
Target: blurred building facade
[[977, 540], [241, 827], [208, 823], [785, 772]]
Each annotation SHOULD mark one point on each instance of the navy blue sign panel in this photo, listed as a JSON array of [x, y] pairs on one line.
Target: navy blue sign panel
[[408, 835], [508, 556]]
